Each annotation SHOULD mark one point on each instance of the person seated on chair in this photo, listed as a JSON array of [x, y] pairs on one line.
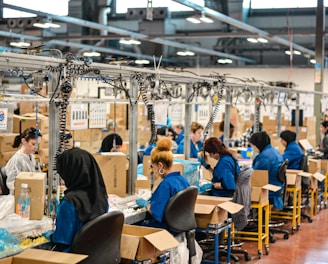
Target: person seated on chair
[[225, 169], [270, 159], [293, 151], [85, 195], [164, 131], [179, 131], [23, 159], [195, 141], [172, 182], [111, 143]]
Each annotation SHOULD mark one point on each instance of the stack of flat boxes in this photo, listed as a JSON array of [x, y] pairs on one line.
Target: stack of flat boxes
[[6, 149]]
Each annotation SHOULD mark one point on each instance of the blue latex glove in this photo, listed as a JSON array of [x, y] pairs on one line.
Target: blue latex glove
[[204, 164], [206, 186], [141, 202]]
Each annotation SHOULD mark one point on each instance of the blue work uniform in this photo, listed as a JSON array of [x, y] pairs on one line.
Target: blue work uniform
[[180, 137], [67, 224], [224, 172], [270, 159], [194, 149], [170, 185], [149, 149], [294, 154]]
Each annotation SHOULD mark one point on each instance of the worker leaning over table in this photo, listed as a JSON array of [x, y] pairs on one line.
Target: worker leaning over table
[[270, 159], [172, 182]]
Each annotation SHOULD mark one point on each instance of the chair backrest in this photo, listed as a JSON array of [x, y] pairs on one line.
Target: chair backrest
[[3, 179], [100, 238], [304, 163], [282, 171], [179, 214]]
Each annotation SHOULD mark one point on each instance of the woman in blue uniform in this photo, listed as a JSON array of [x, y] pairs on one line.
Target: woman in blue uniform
[[293, 151], [270, 159], [225, 169], [195, 141], [85, 197], [172, 182]]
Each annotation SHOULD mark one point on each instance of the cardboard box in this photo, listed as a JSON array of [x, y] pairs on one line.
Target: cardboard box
[[211, 210], [315, 178], [92, 146], [260, 186], [23, 122], [88, 135], [6, 142], [305, 144], [143, 243], [5, 157], [324, 166], [37, 189], [294, 177], [113, 166], [44, 155], [39, 256], [314, 165], [177, 166], [141, 186]]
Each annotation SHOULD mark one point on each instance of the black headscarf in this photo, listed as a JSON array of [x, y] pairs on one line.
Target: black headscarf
[[260, 140], [85, 185], [288, 136], [107, 143]]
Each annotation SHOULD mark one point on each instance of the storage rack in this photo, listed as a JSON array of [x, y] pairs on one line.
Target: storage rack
[[13, 63]]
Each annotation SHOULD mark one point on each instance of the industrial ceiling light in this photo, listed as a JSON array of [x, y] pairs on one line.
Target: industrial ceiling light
[[197, 19], [141, 61], [313, 61], [225, 61], [257, 40], [130, 41], [46, 23], [252, 40], [20, 44], [295, 52], [262, 40], [185, 53], [91, 54]]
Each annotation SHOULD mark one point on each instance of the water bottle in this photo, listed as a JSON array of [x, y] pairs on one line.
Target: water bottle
[[249, 153], [23, 205]]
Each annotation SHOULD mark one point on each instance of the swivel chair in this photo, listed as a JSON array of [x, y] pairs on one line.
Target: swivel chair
[[100, 239], [3, 179], [273, 225], [179, 216]]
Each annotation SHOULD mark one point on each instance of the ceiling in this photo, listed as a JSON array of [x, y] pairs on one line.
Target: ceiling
[[94, 25]]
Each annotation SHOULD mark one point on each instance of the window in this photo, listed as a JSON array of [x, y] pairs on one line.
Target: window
[[57, 7], [122, 6], [261, 4]]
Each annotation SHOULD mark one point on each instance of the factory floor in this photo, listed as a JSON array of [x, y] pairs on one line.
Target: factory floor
[[307, 245]]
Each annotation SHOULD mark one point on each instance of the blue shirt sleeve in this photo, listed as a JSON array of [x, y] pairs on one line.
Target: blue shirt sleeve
[[67, 224]]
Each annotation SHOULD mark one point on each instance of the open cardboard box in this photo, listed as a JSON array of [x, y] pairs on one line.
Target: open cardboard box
[[143, 243], [294, 177], [211, 210], [315, 177], [39, 256], [260, 186], [314, 165], [305, 144]]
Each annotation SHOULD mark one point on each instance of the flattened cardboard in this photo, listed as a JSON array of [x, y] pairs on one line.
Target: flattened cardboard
[[259, 178], [39, 256], [146, 242], [294, 178], [305, 144], [318, 176]]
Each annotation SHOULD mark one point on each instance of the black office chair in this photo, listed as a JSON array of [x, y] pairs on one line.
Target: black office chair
[[179, 216], [274, 225], [100, 239], [3, 179]]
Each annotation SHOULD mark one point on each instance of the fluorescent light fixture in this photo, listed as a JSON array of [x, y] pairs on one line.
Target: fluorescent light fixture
[[313, 61], [262, 40], [225, 61], [46, 23], [91, 54], [194, 20], [296, 52], [287, 52], [20, 44], [140, 61], [130, 41], [186, 53], [206, 19], [252, 40]]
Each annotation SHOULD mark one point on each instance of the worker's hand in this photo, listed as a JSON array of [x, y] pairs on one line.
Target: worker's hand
[[206, 186], [141, 202], [203, 162]]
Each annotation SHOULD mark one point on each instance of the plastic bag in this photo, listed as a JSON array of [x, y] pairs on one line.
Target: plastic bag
[[180, 254], [190, 171], [8, 243], [7, 205]]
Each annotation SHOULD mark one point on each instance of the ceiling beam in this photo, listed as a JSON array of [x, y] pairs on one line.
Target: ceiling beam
[[118, 31]]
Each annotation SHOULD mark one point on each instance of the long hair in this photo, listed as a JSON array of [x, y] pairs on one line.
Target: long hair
[[214, 145]]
